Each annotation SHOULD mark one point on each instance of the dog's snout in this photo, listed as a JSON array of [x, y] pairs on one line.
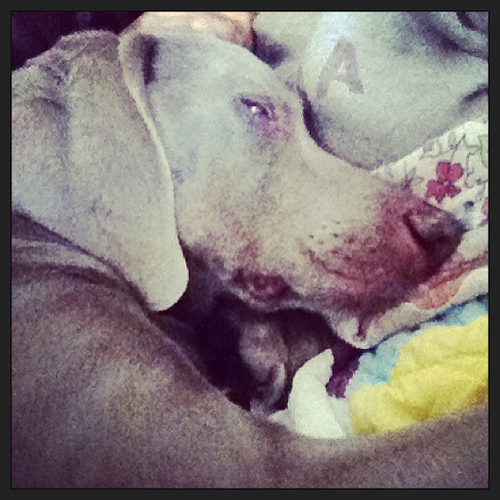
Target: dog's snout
[[436, 231]]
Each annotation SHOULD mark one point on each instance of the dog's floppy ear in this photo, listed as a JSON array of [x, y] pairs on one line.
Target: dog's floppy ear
[[87, 162], [135, 52]]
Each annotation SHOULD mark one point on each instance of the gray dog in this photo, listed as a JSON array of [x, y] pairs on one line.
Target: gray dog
[[106, 130]]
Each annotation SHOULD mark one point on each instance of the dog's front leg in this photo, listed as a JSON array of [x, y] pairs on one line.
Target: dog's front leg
[[264, 352], [272, 347]]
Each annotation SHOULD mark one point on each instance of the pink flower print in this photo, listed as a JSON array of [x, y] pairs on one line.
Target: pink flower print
[[447, 175], [485, 213]]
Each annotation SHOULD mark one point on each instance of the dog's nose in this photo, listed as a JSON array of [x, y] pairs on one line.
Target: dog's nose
[[436, 231]]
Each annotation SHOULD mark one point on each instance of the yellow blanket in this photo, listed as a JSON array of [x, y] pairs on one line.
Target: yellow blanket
[[443, 370]]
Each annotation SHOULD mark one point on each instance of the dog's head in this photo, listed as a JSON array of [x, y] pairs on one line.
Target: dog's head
[[260, 210], [267, 215]]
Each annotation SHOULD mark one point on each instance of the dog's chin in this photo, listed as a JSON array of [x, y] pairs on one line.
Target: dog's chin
[[362, 328], [272, 293]]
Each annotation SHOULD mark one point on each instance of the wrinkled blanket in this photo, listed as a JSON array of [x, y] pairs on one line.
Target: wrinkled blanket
[[413, 376], [421, 369]]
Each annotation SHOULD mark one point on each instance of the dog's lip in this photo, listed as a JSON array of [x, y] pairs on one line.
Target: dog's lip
[[366, 330], [451, 271], [352, 329], [261, 286]]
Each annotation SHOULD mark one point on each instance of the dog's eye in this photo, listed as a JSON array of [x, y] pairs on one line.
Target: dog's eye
[[258, 109], [268, 119]]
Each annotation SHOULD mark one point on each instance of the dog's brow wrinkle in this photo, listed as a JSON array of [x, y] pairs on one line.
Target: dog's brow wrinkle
[[150, 54]]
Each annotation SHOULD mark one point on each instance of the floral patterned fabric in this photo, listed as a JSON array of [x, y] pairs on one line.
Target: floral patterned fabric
[[450, 172]]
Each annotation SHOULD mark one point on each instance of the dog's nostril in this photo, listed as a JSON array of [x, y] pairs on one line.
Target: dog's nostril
[[436, 231]]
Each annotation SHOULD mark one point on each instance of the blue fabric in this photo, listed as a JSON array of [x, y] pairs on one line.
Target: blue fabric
[[376, 364]]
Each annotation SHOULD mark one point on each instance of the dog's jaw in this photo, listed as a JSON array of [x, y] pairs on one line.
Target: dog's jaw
[[270, 293]]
